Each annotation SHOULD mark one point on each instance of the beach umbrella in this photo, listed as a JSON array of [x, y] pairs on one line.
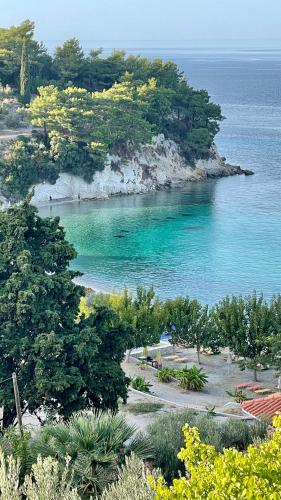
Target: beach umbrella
[[145, 351], [158, 357]]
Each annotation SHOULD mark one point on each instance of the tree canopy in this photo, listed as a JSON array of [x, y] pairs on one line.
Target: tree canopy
[[246, 324], [63, 364], [91, 105], [143, 313], [40, 65]]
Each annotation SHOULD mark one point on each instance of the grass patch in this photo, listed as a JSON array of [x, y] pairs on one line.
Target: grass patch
[[138, 408]]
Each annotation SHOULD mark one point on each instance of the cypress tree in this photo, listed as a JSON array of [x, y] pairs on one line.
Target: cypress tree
[[24, 74]]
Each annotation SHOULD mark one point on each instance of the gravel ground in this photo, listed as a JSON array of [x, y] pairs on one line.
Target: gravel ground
[[222, 377]]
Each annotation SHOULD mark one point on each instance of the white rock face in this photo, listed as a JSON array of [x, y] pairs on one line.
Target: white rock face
[[155, 166]]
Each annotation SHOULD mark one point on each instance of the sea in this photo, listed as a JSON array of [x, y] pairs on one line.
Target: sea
[[204, 239]]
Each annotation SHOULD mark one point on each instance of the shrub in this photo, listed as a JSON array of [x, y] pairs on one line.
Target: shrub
[[96, 444], [12, 120], [12, 444], [238, 395], [46, 482], [254, 474], [139, 408], [140, 384], [238, 434], [166, 435], [132, 482], [26, 162], [165, 375], [142, 364], [191, 378]]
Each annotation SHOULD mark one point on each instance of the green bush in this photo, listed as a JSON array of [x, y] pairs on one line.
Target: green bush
[[96, 444], [238, 395], [26, 162], [12, 444], [140, 384], [132, 482], [12, 120], [166, 435], [191, 378], [165, 374], [238, 434], [139, 408]]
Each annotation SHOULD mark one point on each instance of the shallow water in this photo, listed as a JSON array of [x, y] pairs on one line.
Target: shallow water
[[205, 239]]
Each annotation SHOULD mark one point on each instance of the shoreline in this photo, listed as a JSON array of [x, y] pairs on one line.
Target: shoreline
[[233, 171], [158, 166]]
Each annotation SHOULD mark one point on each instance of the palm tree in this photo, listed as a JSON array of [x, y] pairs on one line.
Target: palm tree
[[96, 445]]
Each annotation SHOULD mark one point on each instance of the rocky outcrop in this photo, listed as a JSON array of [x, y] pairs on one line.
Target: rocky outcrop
[[155, 166]]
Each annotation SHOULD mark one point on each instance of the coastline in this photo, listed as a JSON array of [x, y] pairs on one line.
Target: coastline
[[155, 167]]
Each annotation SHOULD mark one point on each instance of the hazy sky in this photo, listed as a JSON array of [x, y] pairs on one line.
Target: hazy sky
[[148, 20]]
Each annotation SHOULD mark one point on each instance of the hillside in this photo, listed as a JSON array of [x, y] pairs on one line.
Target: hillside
[[103, 126]]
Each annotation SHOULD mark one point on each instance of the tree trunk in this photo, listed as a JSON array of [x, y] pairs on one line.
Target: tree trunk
[[255, 375], [46, 138], [198, 355], [128, 354]]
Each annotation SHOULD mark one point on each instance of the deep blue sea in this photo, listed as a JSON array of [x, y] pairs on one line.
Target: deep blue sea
[[205, 239]]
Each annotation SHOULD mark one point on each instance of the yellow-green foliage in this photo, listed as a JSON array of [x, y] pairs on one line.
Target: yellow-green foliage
[[143, 313], [231, 475]]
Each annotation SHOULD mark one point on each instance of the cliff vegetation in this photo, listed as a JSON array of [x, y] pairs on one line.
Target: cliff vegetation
[[85, 106]]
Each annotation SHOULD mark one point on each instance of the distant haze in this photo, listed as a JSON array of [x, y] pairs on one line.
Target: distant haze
[[151, 23]]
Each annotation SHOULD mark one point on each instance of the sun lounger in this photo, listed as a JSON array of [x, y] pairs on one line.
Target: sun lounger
[[264, 391], [243, 385]]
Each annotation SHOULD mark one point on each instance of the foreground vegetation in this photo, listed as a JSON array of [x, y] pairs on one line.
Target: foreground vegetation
[[166, 435], [88, 106], [89, 458], [230, 474]]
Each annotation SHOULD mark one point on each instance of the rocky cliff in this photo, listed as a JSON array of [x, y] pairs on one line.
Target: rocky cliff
[[155, 166]]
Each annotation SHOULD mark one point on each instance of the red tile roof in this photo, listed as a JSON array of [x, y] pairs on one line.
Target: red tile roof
[[267, 406]]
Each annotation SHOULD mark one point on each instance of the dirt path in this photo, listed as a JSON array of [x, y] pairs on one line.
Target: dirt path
[[9, 134]]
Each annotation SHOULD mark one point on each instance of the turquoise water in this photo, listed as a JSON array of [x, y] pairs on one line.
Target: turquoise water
[[204, 239]]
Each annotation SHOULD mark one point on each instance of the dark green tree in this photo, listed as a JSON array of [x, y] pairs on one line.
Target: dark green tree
[[63, 364], [69, 62], [25, 162], [24, 74], [11, 47]]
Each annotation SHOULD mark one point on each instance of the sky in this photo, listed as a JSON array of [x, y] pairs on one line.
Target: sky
[[154, 23]]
